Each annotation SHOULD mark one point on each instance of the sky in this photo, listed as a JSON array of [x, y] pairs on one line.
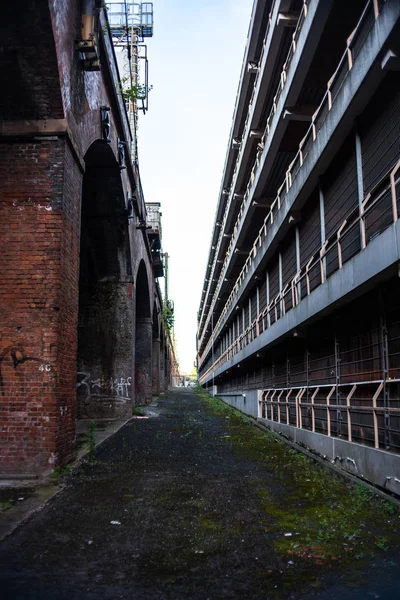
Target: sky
[[195, 59]]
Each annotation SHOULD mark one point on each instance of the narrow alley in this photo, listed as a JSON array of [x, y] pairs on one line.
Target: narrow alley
[[190, 501]]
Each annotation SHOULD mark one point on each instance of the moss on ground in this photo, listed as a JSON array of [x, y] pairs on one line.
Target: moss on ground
[[311, 513]]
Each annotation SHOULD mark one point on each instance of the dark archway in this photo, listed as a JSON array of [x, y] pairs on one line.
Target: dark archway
[[156, 352], [163, 384], [105, 326], [143, 339]]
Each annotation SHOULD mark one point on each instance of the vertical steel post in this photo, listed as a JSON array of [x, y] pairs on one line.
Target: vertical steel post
[[323, 232], [280, 283], [212, 348], [385, 370], [360, 182], [337, 375], [298, 257]]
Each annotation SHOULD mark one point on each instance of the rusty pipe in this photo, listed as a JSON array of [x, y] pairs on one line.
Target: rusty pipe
[[87, 19]]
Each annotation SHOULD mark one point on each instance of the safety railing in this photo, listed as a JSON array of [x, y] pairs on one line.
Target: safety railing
[[246, 133], [370, 13], [356, 411], [378, 211]]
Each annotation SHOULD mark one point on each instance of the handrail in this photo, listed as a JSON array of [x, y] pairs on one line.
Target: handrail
[[303, 413], [355, 217], [282, 82], [245, 129], [312, 131]]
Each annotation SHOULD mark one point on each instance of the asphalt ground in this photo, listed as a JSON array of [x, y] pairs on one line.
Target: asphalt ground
[[180, 504]]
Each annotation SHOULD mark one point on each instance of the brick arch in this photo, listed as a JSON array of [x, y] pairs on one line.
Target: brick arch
[[142, 292], [105, 325], [157, 348], [91, 130], [143, 337], [156, 321]]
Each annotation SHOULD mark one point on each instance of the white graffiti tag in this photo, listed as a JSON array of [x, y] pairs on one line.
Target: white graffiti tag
[[119, 386]]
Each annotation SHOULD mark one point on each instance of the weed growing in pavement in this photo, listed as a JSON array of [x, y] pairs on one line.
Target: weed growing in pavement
[[5, 506], [389, 507], [91, 442], [313, 514], [60, 472], [382, 543], [138, 412]]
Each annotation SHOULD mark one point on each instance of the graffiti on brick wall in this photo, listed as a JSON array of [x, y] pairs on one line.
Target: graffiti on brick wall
[[13, 357], [110, 388]]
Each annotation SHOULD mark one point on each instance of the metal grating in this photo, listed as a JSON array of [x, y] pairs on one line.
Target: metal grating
[[380, 132]]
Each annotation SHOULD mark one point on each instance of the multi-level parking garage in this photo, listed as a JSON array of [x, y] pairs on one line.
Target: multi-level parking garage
[[299, 320]]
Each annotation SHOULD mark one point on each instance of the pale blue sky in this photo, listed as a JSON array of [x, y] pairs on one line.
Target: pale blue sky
[[195, 58]]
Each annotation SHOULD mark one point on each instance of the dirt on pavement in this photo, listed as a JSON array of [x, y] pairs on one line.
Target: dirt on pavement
[[191, 502]]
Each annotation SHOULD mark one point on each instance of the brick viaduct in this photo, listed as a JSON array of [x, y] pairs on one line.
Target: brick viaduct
[[80, 326]]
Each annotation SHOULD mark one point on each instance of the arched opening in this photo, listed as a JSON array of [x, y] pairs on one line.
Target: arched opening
[[162, 360], [105, 323], [156, 352], [143, 339]]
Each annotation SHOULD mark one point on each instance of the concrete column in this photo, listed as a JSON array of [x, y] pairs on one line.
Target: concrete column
[[143, 361]]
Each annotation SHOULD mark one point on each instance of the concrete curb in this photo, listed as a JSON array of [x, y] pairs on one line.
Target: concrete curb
[[322, 461]]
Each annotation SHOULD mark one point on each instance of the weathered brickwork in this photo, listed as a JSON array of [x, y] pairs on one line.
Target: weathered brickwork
[[28, 66], [50, 135], [31, 229]]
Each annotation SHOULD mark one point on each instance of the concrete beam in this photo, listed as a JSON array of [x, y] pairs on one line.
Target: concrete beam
[[358, 88], [288, 19], [391, 61], [299, 113], [378, 261]]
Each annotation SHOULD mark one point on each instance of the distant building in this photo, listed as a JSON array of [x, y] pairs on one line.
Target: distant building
[[299, 320]]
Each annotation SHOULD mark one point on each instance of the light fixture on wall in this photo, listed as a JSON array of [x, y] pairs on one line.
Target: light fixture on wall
[[105, 119], [121, 149]]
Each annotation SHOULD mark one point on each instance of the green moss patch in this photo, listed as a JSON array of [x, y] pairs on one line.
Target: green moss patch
[[307, 511]]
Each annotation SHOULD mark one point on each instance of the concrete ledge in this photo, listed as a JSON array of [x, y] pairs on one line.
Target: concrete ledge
[[364, 269], [246, 402], [358, 87], [347, 459], [375, 466]]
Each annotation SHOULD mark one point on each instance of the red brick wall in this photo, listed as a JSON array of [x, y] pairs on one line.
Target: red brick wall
[[39, 225], [28, 63]]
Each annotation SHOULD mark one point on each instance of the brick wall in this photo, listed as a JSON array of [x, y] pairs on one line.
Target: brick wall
[[28, 63], [45, 89], [38, 303]]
